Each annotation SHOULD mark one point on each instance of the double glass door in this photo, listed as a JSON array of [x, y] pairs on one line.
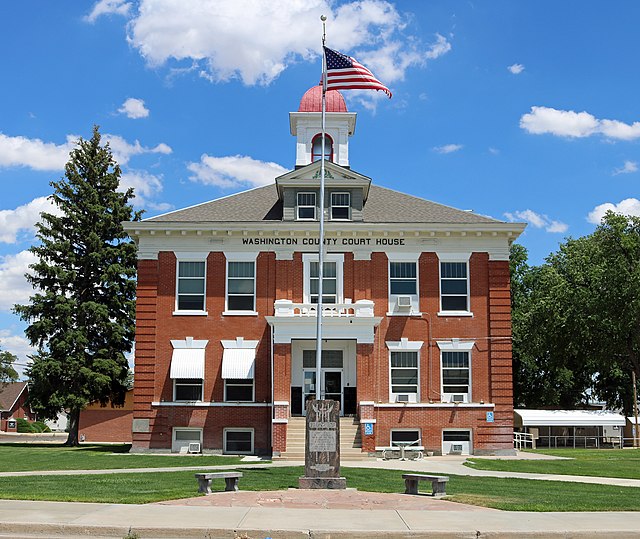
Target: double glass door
[[330, 386]]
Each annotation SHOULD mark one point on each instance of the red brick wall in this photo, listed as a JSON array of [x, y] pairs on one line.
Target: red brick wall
[[363, 279], [106, 425]]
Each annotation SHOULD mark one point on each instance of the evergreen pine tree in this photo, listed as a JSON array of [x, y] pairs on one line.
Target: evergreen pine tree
[[82, 315]]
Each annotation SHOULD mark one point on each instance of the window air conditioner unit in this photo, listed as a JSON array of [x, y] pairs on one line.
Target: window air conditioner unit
[[456, 448], [459, 397], [194, 447], [404, 302], [402, 398]]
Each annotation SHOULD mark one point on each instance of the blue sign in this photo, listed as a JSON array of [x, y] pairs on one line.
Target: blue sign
[[489, 417], [368, 429]]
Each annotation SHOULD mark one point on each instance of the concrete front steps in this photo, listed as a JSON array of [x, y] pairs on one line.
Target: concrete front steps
[[350, 441]]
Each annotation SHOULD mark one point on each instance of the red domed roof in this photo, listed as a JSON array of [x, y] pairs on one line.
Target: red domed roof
[[312, 101]]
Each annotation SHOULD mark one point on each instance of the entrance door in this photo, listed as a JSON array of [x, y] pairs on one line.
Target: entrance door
[[331, 387]]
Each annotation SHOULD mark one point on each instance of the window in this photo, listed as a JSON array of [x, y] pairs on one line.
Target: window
[[403, 278], [456, 442], [405, 436], [182, 437], [191, 286], [238, 441], [404, 373], [238, 389], [187, 389], [241, 286], [454, 286], [331, 278], [331, 359], [306, 206], [455, 375], [340, 206], [316, 148]]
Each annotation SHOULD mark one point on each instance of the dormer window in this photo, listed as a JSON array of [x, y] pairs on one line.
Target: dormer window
[[316, 148], [306, 206], [340, 206]]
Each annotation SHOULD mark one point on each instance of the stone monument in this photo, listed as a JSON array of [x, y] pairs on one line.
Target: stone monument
[[322, 446]]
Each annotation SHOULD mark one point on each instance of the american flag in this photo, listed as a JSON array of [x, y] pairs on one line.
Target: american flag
[[345, 73]]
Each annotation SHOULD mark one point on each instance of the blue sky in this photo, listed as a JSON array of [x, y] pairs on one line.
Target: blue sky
[[523, 111]]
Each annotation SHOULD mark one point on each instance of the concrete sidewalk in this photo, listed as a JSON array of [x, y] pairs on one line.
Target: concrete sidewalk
[[57, 519]]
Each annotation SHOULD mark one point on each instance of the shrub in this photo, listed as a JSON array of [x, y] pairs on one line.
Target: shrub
[[34, 427]]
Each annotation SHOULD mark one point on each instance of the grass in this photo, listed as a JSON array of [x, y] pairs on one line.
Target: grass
[[499, 493], [40, 457], [621, 463]]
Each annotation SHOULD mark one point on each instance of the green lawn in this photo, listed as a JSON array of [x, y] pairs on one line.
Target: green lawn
[[37, 457], [499, 493], [622, 463]]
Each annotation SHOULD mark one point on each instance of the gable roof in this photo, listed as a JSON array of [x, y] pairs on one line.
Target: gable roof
[[9, 394], [262, 204]]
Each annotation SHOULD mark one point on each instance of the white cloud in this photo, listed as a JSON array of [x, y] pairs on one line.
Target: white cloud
[[134, 108], [106, 7], [448, 148], [14, 288], [516, 69], [19, 346], [628, 206], [34, 153], [538, 221], [145, 186], [494, 151], [567, 123], [23, 218], [257, 41], [234, 171], [123, 150], [627, 168]]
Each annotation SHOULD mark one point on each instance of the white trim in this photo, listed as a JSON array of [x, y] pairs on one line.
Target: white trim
[[453, 257], [240, 313], [237, 429], [368, 421], [239, 343], [367, 403], [404, 344], [447, 396], [241, 256], [190, 313], [203, 404], [455, 313], [192, 256], [456, 344], [280, 421], [331, 206], [404, 257], [432, 405], [453, 260], [174, 442], [189, 342], [468, 444], [281, 403]]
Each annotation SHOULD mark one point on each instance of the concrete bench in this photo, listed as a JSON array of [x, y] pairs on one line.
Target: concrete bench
[[412, 451], [438, 483], [230, 479]]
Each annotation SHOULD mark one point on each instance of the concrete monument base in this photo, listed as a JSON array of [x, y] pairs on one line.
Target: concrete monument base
[[332, 483]]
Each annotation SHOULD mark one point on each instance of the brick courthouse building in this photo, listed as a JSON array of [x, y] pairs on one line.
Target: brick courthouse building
[[416, 320]]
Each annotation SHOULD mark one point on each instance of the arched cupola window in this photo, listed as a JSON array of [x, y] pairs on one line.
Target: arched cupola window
[[316, 148]]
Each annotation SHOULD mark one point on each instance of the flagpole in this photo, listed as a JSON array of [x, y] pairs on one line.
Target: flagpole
[[321, 232]]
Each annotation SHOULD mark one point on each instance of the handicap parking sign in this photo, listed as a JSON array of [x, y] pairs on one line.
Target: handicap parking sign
[[368, 429], [489, 417]]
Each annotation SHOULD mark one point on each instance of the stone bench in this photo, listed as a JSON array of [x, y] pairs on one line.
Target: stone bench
[[415, 451], [438, 483], [230, 479]]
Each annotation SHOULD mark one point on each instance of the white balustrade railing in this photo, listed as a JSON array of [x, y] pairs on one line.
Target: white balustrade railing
[[361, 308]]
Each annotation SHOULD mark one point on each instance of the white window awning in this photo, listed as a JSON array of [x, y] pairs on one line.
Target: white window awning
[[568, 418], [238, 363], [187, 363]]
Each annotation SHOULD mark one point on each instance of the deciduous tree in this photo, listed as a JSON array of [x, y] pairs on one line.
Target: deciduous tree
[[7, 372]]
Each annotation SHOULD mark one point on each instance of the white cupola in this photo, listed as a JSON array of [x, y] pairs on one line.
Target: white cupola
[[306, 125]]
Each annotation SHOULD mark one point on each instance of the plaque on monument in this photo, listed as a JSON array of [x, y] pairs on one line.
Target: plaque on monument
[[322, 446]]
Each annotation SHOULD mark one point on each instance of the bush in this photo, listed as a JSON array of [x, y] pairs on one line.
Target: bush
[[35, 427]]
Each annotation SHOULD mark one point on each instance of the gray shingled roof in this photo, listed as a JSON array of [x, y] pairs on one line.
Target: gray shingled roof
[[261, 204], [9, 392]]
